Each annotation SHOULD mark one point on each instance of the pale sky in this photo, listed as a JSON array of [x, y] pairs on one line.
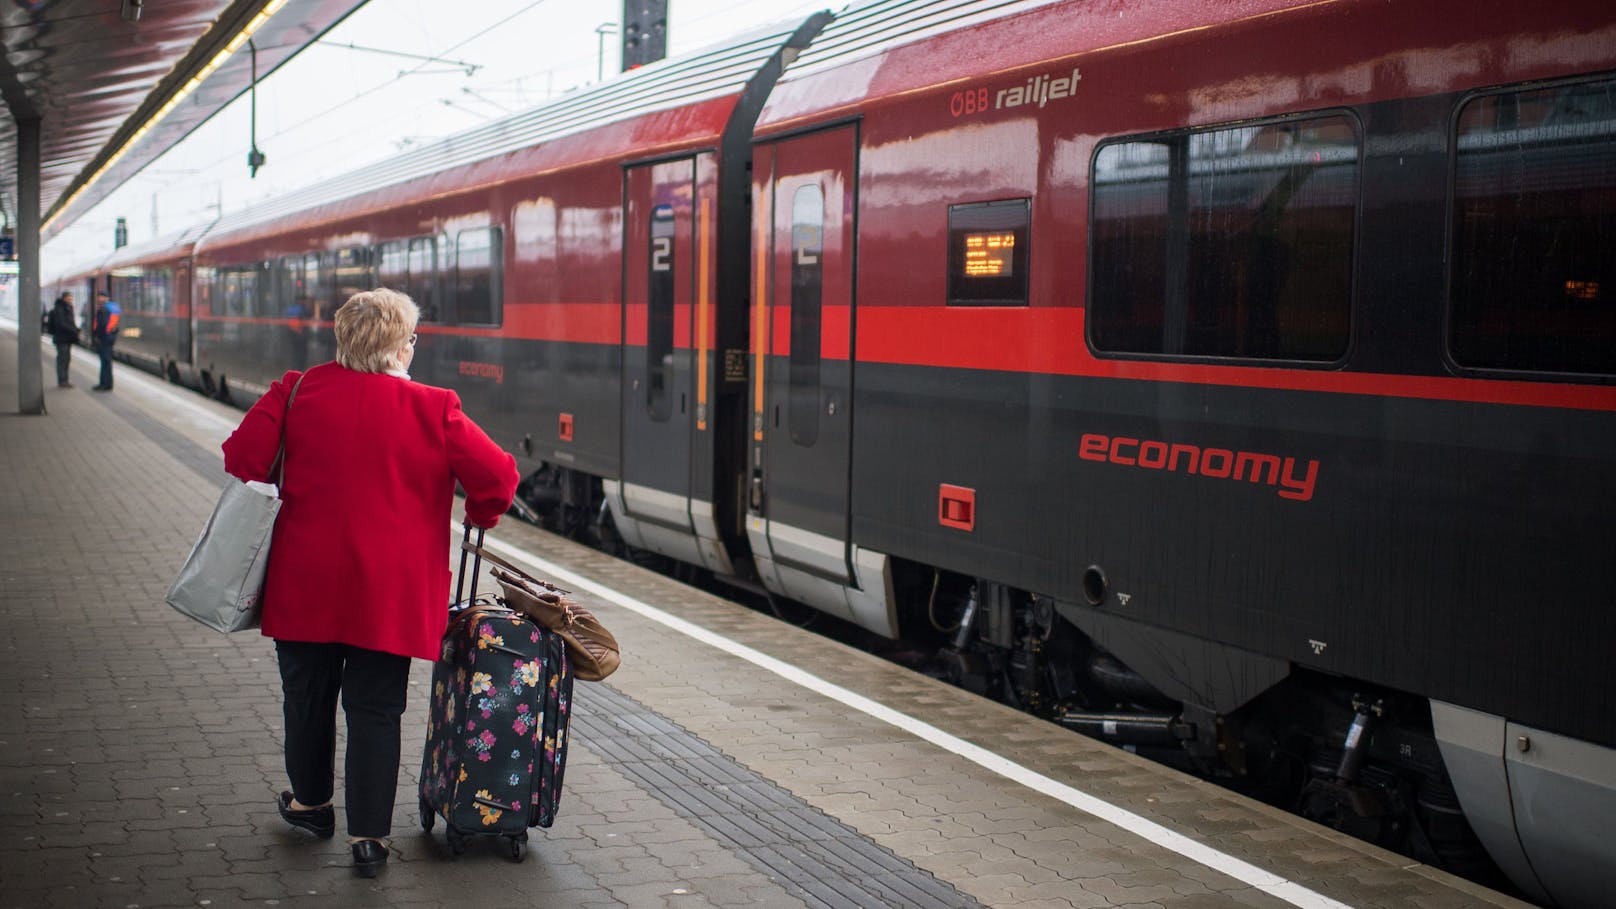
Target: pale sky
[[332, 109]]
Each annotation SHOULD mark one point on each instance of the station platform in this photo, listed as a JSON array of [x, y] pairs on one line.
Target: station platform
[[733, 760]]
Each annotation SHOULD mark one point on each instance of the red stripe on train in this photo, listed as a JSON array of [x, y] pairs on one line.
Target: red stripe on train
[[1050, 340]]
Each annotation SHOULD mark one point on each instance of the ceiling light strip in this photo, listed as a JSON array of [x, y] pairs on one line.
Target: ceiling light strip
[[191, 85]]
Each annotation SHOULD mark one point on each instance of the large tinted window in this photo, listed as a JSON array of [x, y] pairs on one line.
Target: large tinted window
[[289, 289], [1534, 231], [1226, 242], [422, 285], [393, 265], [310, 302], [477, 276], [127, 289], [351, 273], [659, 315], [160, 290], [240, 291], [807, 292]]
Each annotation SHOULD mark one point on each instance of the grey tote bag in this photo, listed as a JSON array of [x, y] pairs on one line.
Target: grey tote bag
[[222, 580], [221, 583]]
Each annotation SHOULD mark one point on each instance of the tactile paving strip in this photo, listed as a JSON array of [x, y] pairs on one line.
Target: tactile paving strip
[[829, 863]]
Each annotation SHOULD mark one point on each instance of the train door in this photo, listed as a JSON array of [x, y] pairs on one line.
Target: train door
[[656, 409], [802, 419]]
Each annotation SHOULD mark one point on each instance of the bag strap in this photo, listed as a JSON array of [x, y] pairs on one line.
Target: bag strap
[[279, 464], [467, 546]]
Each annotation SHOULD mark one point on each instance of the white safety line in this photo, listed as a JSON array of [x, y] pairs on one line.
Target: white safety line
[[149, 383], [1242, 871], [156, 385]]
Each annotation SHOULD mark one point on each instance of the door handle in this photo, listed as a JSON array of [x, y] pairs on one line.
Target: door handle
[[956, 507]]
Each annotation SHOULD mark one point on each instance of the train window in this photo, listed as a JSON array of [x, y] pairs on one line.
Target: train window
[[160, 290], [350, 274], [265, 304], [289, 291], [240, 290], [393, 265], [1533, 286], [659, 315], [422, 284], [807, 284], [987, 253], [126, 289], [207, 290], [311, 295], [478, 281], [1230, 242]]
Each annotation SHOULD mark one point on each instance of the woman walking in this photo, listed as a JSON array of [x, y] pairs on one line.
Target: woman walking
[[358, 580]]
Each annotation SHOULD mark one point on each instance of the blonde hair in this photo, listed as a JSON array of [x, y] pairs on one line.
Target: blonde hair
[[371, 328]]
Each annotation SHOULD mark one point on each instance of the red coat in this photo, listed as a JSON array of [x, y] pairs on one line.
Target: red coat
[[360, 554]]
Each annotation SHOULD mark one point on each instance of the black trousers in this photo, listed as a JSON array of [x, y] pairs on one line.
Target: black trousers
[[64, 359], [104, 348], [374, 687]]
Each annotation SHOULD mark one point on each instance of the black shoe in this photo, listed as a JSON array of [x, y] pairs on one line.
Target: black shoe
[[64, 384], [322, 822], [101, 388], [368, 857]]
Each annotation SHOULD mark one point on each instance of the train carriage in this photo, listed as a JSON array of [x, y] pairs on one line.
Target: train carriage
[[1268, 346], [568, 263], [152, 284]]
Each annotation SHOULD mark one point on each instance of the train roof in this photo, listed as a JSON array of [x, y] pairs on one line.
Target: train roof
[[678, 82], [891, 48], [887, 49], [839, 67], [178, 243]]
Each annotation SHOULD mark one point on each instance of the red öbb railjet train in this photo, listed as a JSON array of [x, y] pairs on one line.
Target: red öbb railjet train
[[1236, 382]]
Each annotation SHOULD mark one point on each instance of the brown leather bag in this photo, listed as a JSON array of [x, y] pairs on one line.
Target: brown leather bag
[[591, 649]]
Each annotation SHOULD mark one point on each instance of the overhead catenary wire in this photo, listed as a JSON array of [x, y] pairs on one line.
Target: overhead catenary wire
[[387, 83]]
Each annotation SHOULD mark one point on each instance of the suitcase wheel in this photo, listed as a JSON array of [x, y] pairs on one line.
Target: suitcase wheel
[[428, 816], [518, 847], [457, 840]]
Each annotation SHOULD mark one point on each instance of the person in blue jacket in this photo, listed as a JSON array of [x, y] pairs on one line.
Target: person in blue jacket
[[104, 331]]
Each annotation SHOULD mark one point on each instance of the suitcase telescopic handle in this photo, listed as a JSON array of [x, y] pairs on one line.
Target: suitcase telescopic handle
[[476, 566]]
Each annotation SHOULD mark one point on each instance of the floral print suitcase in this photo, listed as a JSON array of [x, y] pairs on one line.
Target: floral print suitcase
[[496, 741]]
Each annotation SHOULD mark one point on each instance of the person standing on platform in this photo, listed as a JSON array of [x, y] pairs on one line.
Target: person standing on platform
[[358, 577], [64, 330], [104, 332]]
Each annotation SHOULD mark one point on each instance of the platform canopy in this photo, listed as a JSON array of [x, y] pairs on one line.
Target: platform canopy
[[114, 84]]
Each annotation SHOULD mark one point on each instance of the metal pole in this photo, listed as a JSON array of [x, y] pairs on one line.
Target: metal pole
[[30, 370], [601, 31]]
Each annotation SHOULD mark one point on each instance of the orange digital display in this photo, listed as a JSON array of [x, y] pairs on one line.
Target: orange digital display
[[989, 255]]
